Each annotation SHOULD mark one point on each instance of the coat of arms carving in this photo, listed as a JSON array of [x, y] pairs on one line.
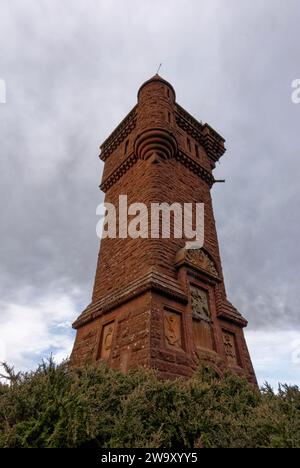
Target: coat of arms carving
[[200, 307], [199, 258]]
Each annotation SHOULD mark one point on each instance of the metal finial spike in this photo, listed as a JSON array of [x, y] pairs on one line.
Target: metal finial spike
[[159, 68]]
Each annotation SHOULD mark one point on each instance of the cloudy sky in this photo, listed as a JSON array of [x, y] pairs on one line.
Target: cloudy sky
[[72, 70]]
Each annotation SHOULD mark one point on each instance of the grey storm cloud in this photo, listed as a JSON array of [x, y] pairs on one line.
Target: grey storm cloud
[[72, 70]]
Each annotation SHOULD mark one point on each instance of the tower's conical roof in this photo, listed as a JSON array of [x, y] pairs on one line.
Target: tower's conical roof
[[157, 77]]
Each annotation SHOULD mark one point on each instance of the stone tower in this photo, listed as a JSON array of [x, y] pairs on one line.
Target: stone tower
[[155, 303]]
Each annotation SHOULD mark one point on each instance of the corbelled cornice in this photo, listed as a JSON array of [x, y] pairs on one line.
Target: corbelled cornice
[[119, 134], [203, 133], [180, 156], [195, 167], [152, 281], [119, 172]]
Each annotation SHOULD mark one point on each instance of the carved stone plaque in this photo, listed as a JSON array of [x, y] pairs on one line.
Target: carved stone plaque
[[107, 336], [200, 307], [172, 323], [230, 348], [202, 334]]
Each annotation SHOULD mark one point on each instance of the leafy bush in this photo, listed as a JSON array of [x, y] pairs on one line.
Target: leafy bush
[[96, 407]]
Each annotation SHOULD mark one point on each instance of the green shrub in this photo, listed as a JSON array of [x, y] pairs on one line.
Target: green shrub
[[95, 407]]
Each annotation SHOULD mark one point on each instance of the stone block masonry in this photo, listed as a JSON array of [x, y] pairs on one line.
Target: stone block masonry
[[155, 303]]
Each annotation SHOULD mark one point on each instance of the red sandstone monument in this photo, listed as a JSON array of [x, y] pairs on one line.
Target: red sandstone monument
[[155, 303]]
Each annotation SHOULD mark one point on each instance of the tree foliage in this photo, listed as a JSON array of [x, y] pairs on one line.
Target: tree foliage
[[95, 407]]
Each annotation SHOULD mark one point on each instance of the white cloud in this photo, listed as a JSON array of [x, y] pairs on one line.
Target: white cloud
[[73, 82], [31, 332], [275, 355]]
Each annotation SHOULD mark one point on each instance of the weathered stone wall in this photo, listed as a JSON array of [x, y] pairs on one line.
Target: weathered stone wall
[[153, 304]]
